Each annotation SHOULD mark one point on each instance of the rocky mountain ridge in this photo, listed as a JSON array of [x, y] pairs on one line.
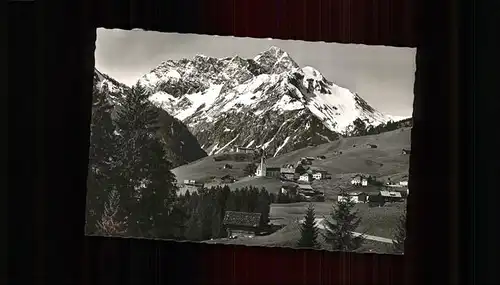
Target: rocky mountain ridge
[[267, 102], [180, 145]]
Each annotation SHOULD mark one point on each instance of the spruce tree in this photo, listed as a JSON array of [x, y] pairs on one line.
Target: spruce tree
[[194, 227], [145, 173], [264, 206], [112, 221], [398, 242], [309, 230], [102, 158], [344, 221]]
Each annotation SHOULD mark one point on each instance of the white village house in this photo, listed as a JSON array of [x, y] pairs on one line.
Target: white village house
[[243, 149], [356, 197], [321, 174], [306, 177], [403, 183], [189, 182], [318, 175], [359, 180]]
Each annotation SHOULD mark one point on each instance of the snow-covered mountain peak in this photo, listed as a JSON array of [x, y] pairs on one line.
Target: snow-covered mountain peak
[[275, 60], [312, 73], [269, 101]]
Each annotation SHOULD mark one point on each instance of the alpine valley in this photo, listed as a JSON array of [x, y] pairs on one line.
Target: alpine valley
[[210, 105]]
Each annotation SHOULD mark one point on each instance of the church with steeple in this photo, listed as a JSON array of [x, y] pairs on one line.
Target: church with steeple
[[261, 169], [264, 171]]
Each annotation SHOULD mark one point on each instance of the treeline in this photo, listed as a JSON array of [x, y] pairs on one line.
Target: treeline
[[200, 214]]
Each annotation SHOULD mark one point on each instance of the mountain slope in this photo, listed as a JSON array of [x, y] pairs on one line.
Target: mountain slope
[[345, 156], [181, 146], [266, 102]]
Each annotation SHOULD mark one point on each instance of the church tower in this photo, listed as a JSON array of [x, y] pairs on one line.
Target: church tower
[[261, 169]]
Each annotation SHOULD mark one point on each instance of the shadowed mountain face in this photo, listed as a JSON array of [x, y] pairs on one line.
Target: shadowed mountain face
[[267, 102], [180, 145]]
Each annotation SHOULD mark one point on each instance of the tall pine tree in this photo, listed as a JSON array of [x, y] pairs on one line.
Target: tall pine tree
[[145, 173], [112, 220], [344, 221], [309, 230], [102, 158], [264, 206], [398, 242]]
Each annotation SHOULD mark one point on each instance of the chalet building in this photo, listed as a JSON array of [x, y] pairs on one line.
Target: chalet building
[[244, 149], [403, 183], [359, 180], [287, 169], [391, 196], [406, 151], [321, 174], [372, 145], [190, 182], [404, 193], [304, 187], [288, 176], [289, 189], [320, 157], [228, 179], [356, 197], [273, 172], [242, 224], [307, 177], [307, 193]]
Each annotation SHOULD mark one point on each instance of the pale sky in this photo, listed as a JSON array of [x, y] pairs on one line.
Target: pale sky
[[381, 75]]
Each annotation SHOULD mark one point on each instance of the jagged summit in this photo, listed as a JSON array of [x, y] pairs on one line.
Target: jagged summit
[[268, 101]]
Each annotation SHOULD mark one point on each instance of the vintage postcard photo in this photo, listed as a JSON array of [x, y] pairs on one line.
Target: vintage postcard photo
[[248, 141]]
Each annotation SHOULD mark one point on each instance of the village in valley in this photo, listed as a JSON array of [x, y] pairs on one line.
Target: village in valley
[[297, 184]]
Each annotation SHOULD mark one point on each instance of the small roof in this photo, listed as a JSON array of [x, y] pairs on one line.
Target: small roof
[[305, 187], [242, 219], [287, 170], [273, 168], [357, 175], [390, 194]]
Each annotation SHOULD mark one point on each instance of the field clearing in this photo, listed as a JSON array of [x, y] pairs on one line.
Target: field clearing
[[206, 168], [377, 221], [289, 236]]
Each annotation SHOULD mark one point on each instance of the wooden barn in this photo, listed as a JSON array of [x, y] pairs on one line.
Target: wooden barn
[[227, 179], [242, 224]]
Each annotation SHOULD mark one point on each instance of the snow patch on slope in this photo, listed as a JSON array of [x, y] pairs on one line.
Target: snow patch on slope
[[226, 145], [281, 146]]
